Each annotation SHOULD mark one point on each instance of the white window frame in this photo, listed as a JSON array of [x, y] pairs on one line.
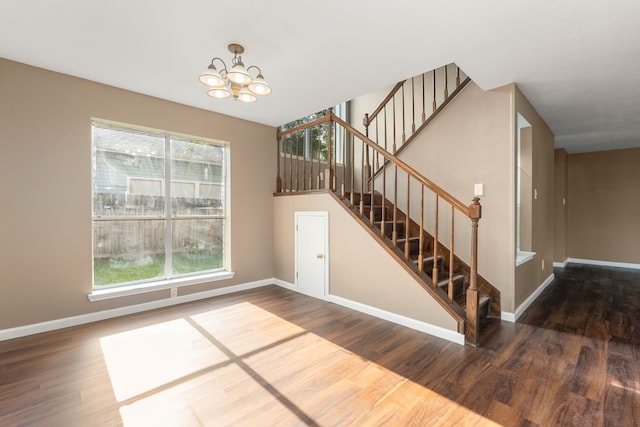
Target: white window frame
[[169, 281]]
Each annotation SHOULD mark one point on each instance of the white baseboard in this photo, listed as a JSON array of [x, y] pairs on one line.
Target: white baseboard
[[21, 331], [522, 307], [285, 285], [294, 288], [562, 264], [418, 325], [507, 316], [604, 263]]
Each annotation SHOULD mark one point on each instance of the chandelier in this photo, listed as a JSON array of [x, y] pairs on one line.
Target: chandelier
[[237, 81]]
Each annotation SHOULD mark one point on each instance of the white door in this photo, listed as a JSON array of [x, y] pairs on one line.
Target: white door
[[312, 261]]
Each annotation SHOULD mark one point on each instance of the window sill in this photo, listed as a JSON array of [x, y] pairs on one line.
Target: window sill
[[522, 257], [123, 291]]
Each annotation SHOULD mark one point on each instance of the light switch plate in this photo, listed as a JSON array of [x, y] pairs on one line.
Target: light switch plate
[[478, 190]]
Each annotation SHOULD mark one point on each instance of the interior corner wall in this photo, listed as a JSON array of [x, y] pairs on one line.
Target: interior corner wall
[[533, 273], [360, 270], [560, 206], [604, 206], [45, 183]]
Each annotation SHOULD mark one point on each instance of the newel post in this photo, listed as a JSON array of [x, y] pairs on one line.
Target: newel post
[[472, 325], [278, 147], [329, 172]]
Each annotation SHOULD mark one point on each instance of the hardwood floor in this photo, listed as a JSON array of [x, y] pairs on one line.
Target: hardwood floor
[[273, 357]]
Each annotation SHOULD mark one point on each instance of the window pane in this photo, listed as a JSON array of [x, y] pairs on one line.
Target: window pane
[[128, 172], [197, 245], [127, 251], [197, 177]]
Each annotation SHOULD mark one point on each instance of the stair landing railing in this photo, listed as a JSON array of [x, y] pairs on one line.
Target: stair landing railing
[[409, 107], [300, 169]]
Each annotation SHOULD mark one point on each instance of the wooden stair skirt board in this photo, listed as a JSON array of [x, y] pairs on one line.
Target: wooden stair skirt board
[[460, 279]]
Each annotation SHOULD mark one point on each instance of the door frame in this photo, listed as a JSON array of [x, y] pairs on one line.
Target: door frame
[[325, 216]]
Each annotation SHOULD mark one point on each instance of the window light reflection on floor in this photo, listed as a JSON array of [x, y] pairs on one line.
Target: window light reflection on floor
[[202, 370]]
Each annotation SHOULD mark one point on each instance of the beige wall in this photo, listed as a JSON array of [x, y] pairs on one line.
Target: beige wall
[[45, 189], [560, 206], [604, 209], [360, 269], [530, 275], [472, 142]]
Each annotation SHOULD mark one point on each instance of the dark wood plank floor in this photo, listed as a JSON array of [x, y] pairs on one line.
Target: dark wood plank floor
[[274, 357]]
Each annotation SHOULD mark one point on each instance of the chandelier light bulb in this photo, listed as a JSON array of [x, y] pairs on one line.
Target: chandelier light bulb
[[236, 82], [219, 93]]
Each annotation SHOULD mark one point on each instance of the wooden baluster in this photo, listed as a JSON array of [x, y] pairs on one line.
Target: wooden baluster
[[319, 154], [413, 106], [291, 163], [334, 130], [457, 77], [472, 320], [394, 233], [394, 124], [297, 179], [377, 166], [328, 183], [424, 114], [366, 123], [362, 179], [406, 219], [404, 135], [451, 249], [434, 91], [421, 246], [384, 198], [352, 163], [310, 164], [434, 271], [446, 82], [304, 159], [385, 127], [343, 188], [373, 202], [278, 157]]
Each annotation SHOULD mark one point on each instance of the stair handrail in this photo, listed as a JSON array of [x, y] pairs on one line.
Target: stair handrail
[[368, 118], [436, 106], [464, 209], [472, 211]]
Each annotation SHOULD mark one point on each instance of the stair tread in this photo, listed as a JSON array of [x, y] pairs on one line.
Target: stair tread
[[444, 282], [411, 239], [426, 258]]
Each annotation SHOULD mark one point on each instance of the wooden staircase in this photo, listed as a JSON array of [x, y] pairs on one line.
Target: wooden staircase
[[371, 175], [452, 274]]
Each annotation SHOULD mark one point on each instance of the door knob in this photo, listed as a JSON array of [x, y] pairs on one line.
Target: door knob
[[320, 256]]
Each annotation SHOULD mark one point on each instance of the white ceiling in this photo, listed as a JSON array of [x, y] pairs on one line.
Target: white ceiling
[[577, 61]]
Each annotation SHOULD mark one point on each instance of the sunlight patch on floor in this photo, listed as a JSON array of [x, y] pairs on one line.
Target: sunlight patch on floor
[[211, 399], [242, 365], [143, 359]]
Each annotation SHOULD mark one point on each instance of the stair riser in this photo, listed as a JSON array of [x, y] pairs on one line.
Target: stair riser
[[377, 212], [388, 229], [458, 287]]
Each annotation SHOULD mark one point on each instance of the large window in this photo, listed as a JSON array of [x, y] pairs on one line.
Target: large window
[[159, 208]]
